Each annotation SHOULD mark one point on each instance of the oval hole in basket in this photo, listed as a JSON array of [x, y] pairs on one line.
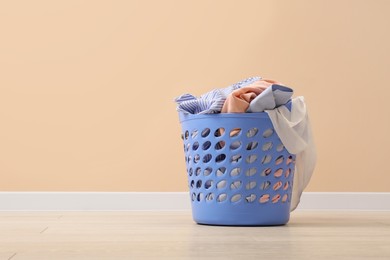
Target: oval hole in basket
[[195, 146], [235, 158], [194, 134], [196, 158], [277, 185], [207, 158], [235, 132], [206, 145], [279, 160], [210, 196], [207, 171], [251, 171], [287, 173], [235, 145], [221, 184], [221, 197], [266, 172], [267, 146], [251, 158], [235, 185], [219, 145], [199, 197], [267, 133], [264, 198], [285, 186], [221, 171], [205, 132], [251, 145], [276, 198], [220, 158], [219, 132], [265, 185], [266, 159], [251, 198], [250, 185], [208, 184], [235, 172], [236, 198], [252, 132], [278, 173]]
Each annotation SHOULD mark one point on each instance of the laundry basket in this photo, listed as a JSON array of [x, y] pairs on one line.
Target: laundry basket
[[239, 172]]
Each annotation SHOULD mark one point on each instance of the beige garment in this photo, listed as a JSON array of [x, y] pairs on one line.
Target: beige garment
[[238, 101]]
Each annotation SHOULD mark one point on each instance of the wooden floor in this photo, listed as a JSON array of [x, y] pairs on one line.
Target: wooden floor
[[173, 235]]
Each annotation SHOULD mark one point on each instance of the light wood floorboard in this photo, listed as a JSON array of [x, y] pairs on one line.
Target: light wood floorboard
[[173, 235]]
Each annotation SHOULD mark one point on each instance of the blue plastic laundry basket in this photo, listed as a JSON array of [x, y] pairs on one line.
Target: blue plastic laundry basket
[[239, 172]]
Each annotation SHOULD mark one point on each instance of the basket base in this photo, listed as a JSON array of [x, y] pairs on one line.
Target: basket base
[[241, 225], [229, 216]]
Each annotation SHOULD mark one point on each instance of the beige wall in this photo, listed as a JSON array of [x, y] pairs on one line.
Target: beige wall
[[86, 87]]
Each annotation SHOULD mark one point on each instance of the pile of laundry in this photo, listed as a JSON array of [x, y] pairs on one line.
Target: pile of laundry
[[250, 95], [263, 95]]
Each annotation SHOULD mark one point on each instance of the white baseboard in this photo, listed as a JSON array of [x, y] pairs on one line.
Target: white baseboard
[[345, 201], [94, 201], [124, 201]]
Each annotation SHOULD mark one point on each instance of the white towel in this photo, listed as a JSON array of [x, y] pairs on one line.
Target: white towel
[[295, 132]]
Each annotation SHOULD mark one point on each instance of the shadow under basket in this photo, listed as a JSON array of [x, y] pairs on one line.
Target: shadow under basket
[[239, 172]]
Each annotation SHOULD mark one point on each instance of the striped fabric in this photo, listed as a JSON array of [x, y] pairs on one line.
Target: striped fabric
[[211, 102]]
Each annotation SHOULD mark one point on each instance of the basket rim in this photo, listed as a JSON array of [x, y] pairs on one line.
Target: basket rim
[[187, 117]]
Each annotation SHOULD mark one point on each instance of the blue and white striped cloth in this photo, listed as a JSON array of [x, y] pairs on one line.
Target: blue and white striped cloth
[[271, 98], [211, 102]]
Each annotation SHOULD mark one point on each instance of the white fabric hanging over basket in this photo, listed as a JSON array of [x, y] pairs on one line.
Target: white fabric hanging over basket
[[294, 130]]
